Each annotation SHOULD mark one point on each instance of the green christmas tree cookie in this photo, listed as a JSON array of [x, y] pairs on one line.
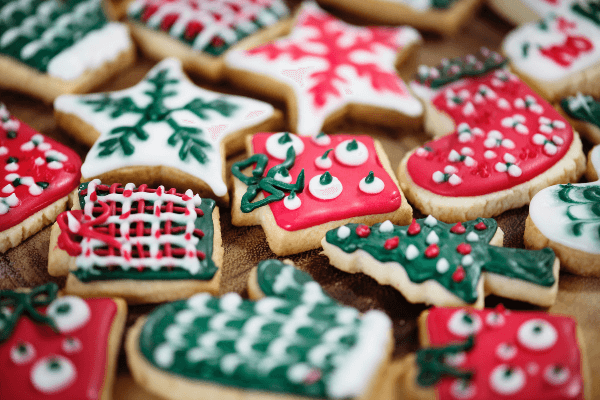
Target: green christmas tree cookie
[[445, 264], [295, 340]]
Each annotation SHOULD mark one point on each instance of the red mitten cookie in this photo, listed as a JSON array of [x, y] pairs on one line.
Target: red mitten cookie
[[37, 175]]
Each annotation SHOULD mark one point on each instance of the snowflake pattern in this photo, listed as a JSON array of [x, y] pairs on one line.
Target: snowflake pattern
[[330, 64]]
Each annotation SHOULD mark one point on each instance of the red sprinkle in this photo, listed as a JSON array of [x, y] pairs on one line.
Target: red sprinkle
[[157, 211], [88, 253], [127, 193], [391, 243], [459, 229], [125, 215], [432, 251], [481, 226], [363, 231], [463, 248], [414, 228], [159, 191], [93, 196], [188, 236], [157, 234], [140, 268], [459, 274]]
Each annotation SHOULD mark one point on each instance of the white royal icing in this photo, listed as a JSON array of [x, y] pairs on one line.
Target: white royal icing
[[462, 390], [155, 150], [556, 376], [69, 313], [279, 150], [458, 325], [374, 187], [323, 163], [343, 232], [22, 357], [537, 339], [386, 226], [292, 204], [506, 384], [354, 89], [325, 192], [49, 380], [506, 351], [351, 158]]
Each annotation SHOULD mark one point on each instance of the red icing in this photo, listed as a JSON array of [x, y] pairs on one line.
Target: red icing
[[352, 202], [459, 274], [61, 181], [480, 226], [391, 243], [459, 229], [414, 228], [90, 361], [363, 231], [482, 359], [432, 251], [482, 177], [463, 248], [335, 54], [566, 53]]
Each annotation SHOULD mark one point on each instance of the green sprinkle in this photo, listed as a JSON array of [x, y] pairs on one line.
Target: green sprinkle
[[43, 185], [353, 145], [326, 178], [324, 156], [63, 308], [12, 160], [54, 365], [537, 329], [467, 318], [508, 373], [292, 195], [285, 138], [370, 178]]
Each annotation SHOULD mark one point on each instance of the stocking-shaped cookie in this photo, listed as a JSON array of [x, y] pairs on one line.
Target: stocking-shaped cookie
[[294, 341], [143, 244], [497, 354], [444, 264], [567, 219], [503, 142], [60, 348], [37, 175]]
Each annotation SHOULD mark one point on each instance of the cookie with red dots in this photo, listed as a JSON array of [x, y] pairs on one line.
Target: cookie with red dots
[[496, 353], [432, 262], [326, 69], [199, 33], [300, 187], [559, 55], [58, 347], [37, 178], [142, 244], [497, 142]]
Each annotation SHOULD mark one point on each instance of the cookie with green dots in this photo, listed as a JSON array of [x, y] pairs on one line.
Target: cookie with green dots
[[442, 264], [295, 342]]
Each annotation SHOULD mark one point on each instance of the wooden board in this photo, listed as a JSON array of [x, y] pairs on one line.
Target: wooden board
[[245, 247]]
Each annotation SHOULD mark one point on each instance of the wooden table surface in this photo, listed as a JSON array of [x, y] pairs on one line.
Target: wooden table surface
[[579, 297]]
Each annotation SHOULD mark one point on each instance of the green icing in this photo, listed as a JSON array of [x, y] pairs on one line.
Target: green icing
[[577, 196], [432, 365], [188, 138], [589, 9], [208, 267], [257, 182], [34, 31], [582, 107], [460, 67], [291, 341], [529, 265], [442, 3], [25, 303]]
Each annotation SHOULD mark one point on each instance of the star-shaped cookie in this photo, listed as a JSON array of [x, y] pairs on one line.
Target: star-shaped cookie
[[327, 69], [163, 131]]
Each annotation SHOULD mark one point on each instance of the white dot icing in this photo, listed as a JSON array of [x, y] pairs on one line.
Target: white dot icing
[[386, 226], [472, 237], [71, 345], [321, 139], [351, 158], [292, 204], [432, 238], [285, 179], [458, 325], [75, 317], [278, 150], [371, 188], [455, 360], [51, 380], [462, 390], [411, 252], [442, 265], [505, 384], [19, 357], [323, 163], [467, 260], [430, 221], [495, 319], [343, 232], [506, 351], [325, 192], [533, 339]]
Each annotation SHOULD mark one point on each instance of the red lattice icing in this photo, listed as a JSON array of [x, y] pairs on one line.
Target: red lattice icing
[[29, 161], [88, 355], [506, 338], [351, 202], [506, 135]]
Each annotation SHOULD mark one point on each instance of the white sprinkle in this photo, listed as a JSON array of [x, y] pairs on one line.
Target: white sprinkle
[[386, 226], [454, 180], [432, 238], [411, 252], [430, 221], [468, 259], [343, 232], [472, 237], [442, 265]]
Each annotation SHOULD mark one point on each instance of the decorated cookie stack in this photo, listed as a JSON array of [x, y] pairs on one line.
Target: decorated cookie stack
[[166, 217]]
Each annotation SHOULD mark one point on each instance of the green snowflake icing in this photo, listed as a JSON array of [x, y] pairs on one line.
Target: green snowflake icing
[[187, 138], [582, 107], [577, 196], [294, 340]]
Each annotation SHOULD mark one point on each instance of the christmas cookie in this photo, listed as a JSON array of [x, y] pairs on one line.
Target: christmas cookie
[[522, 11], [294, 343], [298, 188], [164, 130], [60, 348], [503, 143], [443, 16], [37, 177], [432, 262], [583, 113], [497, 354], [145, 245], [52, 47], [200, 33], [559, 55], [567, 219], [327, 69]]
